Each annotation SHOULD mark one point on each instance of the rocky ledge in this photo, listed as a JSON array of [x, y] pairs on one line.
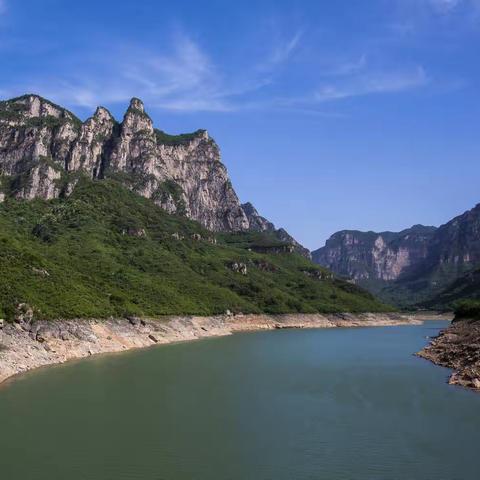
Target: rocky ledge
[[31, 344], [458, 347]]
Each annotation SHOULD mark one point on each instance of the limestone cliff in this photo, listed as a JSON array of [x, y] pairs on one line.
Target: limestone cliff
[[44, 148], [374, 256], [40, 142], [409, 267]]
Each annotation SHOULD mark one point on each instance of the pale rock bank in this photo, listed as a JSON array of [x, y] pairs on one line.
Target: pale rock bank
[[28, 345]]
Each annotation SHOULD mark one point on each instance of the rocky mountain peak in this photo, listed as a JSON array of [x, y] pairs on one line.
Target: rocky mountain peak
[[32, 106], [103, 115], [136, 119], [36, 106], [41, 142], [136, 105], [256, 221]]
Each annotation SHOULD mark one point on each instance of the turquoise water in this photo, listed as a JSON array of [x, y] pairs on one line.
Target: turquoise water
[[339, 404]]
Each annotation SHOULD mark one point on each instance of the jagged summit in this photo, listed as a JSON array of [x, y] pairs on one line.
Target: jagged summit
[[257, 222], [31, 106], [44, 148], [136, 104], [41, 141], [104, 113]]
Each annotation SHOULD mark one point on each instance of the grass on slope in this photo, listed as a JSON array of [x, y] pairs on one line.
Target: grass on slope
[[467, 309], [106, 251]]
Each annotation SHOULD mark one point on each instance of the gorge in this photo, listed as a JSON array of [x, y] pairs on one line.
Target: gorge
[[419, 266]]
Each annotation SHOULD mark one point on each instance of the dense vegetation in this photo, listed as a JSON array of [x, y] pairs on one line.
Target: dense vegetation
[[464, 290], [182, 139], [106, 251], [467, 309]]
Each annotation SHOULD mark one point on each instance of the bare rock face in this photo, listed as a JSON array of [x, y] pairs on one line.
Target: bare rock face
[[35, 142], [90, 150], [374, 256], [41, 142], [257, 222], [422, 263], [44, 149]]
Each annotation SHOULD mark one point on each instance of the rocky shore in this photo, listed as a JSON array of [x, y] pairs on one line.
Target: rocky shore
[[458, 347], [29, 344]]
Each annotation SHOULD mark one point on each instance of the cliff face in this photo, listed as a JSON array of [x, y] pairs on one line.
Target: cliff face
[[374, 256], [43, 149], [413, 266], [456, 245]]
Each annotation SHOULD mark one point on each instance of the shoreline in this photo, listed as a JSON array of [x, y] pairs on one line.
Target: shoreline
[[27, 346], [456, 347]]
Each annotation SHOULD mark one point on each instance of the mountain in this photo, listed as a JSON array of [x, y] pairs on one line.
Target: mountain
[[44, 148], [375, 260], [410, 267], [102, 219], [106, 251], [466, 287]]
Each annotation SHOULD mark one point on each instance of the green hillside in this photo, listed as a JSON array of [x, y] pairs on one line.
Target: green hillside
[[106, 251], [463, 296]]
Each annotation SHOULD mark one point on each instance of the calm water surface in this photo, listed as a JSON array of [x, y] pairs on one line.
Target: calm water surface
[[340, 404]]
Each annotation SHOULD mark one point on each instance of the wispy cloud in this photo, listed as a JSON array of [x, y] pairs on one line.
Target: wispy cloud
[[187, 79], [373, 83], [3, 6], [448, 7], [283, 51], [348, 67], [445, 6], [183, 79]]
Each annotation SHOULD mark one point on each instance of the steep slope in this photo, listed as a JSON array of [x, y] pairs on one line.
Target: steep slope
[[453, 251], [260, 224], [44, 148], [374, 259], [463, 288], [39, 141], [104, 250], [410, 267]]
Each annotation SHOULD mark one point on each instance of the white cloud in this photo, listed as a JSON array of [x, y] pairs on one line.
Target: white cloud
[[3, 6]]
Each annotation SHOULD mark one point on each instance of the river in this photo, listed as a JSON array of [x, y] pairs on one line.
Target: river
[[333, 404]]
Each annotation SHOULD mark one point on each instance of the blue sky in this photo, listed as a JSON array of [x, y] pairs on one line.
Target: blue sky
[[330, 115]]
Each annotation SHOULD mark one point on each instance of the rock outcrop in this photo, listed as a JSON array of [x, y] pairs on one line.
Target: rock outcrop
[[43, 146], [458, 348], [256, 221]]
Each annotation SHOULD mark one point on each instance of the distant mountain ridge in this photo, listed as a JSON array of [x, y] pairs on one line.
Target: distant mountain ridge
[[410, 267]]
